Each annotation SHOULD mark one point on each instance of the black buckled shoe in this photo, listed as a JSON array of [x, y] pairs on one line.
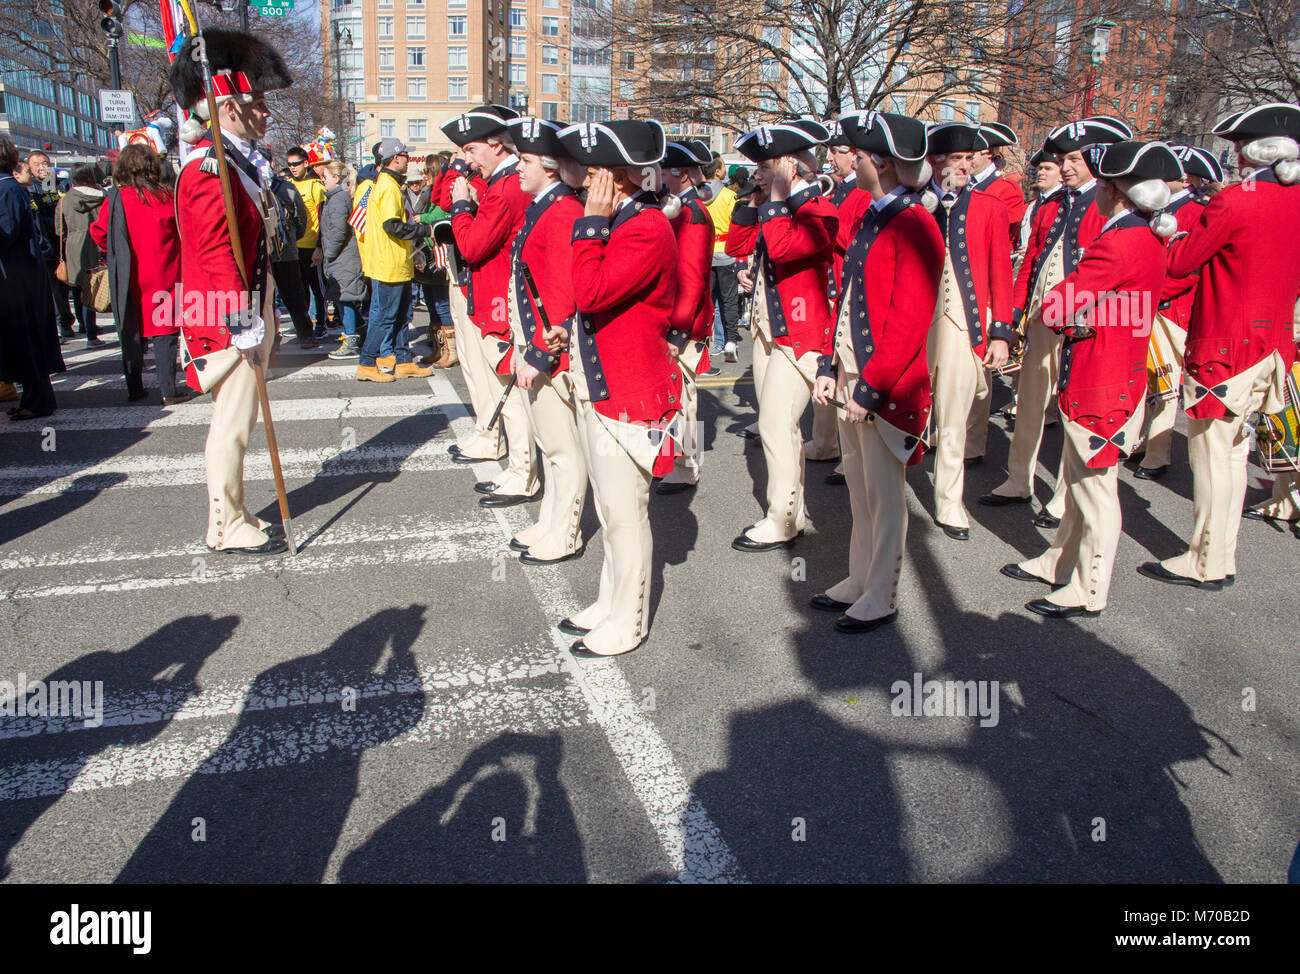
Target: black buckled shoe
[[1046, 520], [1020, 575], [825, 603], [1053, 611], [527, 559], [271, 546], [485, 487], [676, 487], [1150, 473], [744, 542], [956, 533], [571, 628], [846, 623], [503, 500], [516, 546], [1001, 500], [1153, 569]]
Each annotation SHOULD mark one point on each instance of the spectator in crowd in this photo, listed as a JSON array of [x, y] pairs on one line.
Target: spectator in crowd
[[286, 270], [344, 282], [45, 197], [312, 191], [431, 278], [726, 298], [29, 340], [79, 253], [136, 227]]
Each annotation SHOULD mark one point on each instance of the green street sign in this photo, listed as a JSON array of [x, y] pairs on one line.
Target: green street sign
[[280, 9]]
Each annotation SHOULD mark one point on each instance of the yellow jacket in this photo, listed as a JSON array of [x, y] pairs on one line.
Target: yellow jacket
[[312, 192], [720, 208], [384, 258]]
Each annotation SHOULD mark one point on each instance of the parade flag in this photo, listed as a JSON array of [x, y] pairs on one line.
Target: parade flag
[[358, 218]]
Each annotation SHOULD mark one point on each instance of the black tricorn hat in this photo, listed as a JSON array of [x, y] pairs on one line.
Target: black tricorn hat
[[955, 137], [624, 142], [478, 124], [1199, 162], [687, 153], [229, 52], [1261, 122], [1041, 156], [1096, 130], [997, 135], [536, 135], [886, 134], [836, 130], [1137, 161], [782, 139]]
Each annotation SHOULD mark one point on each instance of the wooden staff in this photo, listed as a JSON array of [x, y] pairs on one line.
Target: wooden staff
[[232, 225]]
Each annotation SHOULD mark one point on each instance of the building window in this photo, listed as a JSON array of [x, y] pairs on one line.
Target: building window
[[417, 89], [627, 61], [388, 128], [973, 112], [415, 57], [455, 4], [518, 18], [550, 84], [1155, 91], [457, 58], [550, 54], [388, 88], [947, 111], [457, 89], [456, 26], [898, 104], [1154, 110], [551, 111], [551, 4], [417, 3], [625, 89], [415, 28], [550, 26], [417, 129], [385, 4], [384, 27], [518, 74], [386, 62]]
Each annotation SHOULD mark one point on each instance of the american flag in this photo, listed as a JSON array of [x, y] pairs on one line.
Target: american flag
[[358, 218]]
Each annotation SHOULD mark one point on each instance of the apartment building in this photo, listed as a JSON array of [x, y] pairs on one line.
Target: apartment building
[[38, 113]]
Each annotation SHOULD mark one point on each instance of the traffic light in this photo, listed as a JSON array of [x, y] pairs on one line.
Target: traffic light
[[111, 22]]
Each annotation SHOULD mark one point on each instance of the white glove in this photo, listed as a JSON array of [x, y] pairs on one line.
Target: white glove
[[250, 336]]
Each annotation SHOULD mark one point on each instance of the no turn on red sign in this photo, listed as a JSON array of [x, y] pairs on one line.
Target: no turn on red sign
[[116, 107]]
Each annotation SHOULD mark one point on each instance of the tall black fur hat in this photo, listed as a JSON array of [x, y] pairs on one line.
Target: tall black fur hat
[[232, 52]]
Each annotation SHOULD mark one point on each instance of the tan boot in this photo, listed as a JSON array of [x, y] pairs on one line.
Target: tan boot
[[371, 373], [439, 349], [409, 370], [449, 357], [386, 363], [8, 392]]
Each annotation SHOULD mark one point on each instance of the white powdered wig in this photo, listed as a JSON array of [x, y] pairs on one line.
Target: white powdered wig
[[805, 164], [913, 175], [1150, 197], [1277, 151], [549, 163], [671, 205]]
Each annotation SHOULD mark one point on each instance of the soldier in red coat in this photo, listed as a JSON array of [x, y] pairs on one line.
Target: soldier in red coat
[[627, 382], [793, 248], [850, 201], [971, 330], [1061, 235], [1104, 310], [1169, 331], [224, 312], [986, 177], [485, 227], [1240, 338], [543, 249], [692, 322], [877, 365]]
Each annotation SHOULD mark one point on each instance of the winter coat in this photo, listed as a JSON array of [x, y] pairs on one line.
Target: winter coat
[[76, 212], [343, 278], [139, 233], [29, 338]]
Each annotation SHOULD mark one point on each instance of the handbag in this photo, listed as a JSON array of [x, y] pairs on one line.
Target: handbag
[[61, 272], [97, 289]]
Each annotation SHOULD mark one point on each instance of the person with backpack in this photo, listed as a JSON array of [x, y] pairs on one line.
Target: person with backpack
[[78, 254], [344, 281]]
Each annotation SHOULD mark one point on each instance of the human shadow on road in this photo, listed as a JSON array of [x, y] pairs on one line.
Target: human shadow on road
[[143, 688], [18, 521], [503, 817], [1076, 782], [273, 797]]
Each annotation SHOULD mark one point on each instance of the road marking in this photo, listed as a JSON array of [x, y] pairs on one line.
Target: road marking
[[723, 381], [78, 381], [690, 839], [170, 470], [368, 545], [199, 413], [524, 693]]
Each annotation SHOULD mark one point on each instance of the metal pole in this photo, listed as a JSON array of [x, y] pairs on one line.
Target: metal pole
[[115, 74], [243, 14]]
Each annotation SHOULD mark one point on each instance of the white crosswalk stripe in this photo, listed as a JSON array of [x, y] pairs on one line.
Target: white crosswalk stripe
[[80, 381]]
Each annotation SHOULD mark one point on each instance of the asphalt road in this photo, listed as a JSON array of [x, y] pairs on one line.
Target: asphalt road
[[394, 703]]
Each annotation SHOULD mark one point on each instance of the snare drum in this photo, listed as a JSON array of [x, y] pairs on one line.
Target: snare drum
[[1277, 436]]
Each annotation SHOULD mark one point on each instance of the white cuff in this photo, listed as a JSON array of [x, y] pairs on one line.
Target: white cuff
[[250, 336]]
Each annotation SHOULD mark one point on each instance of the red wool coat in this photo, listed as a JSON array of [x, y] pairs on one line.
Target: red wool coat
[[544, 246], [851, 201], [891, 283], [211, 284], [625, 286], [1179, 293], [1012, 197], [1113, 291], [1250, 275], [155, 257], [981, 259], [483, 235], [692, 317], [1080, 225], [794, 246]]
